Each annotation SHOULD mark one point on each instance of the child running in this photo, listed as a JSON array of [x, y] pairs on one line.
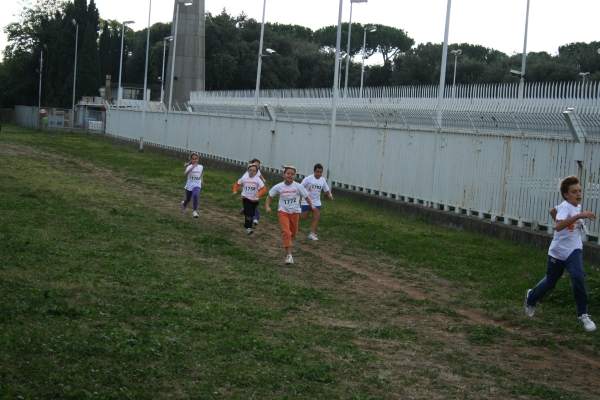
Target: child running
[[289, 193], [252, 189], [314, 184], [256, 162], [195, 180], [566, 252]]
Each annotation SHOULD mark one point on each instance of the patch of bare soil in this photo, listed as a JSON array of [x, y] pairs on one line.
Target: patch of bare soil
[[436, 359]]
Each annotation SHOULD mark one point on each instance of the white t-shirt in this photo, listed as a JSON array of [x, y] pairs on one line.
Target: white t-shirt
[[250, 186], [194, 178], [314, 187], [289, 196], [568, 239]]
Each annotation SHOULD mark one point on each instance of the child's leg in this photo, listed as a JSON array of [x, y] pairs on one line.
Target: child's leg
[[305, 211], [575, 267], [554, 270], [249, 208], [188, 197], [195, 194], [315, 221], [257, 212], [284, 221], [294, 224]]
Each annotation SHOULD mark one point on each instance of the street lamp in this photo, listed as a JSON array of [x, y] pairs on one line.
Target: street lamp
[[162, 75], [348, 51], [584, 74], [456, 53], [260, 55], [74, 72], [177, 2], [119, 94], [371, 28], [524, 57]]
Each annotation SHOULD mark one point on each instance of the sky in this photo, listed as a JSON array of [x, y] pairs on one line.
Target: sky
[[490, 23]]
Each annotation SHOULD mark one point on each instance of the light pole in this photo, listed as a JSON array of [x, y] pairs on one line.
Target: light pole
[[119, 94], [348, 50], [584, 74], [260, 55], [456, 53], [335, 89], [162, 75], [524, 57], [40, 89], [177, 3], [74, 72], [371, 28]]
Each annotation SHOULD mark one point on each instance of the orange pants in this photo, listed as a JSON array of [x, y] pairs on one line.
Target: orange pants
[[289, 227]]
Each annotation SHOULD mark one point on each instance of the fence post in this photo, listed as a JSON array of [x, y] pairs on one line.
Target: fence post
[[141, 144]]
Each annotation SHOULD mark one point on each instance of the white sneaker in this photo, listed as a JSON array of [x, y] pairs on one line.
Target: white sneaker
[[194, 214], [587, 322], [529, 310], [255, 222], [249, 231], [289, 260], [183, 208], [312, 236]]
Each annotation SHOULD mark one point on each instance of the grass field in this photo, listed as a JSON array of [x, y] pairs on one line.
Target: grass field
[[109, 291]]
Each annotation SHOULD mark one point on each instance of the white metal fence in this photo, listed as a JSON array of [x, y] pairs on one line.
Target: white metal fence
[[59, 119], [499, 161]]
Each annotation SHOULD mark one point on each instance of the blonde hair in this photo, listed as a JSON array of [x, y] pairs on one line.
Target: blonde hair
[[286, 167], [252, 165]]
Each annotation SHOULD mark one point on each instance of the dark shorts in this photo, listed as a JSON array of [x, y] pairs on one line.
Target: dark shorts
[[307, 208]]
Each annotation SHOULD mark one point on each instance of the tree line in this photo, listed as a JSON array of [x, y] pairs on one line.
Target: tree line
[[303, 58]]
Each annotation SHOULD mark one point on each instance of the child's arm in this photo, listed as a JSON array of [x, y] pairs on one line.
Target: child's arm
[[236, 188], [267, 203], [261, 191], [553, 213], [263, 179], [562, 224], [188, 170], [329, 195]]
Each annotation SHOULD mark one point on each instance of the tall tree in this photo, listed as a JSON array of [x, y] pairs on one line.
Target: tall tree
[[88, 64]]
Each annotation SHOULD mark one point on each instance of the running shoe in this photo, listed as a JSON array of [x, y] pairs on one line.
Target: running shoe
[[249, 231], [529, 310], [183, 208], [289, 260], [255, 222], [312, 236], [587, 322], [194, 214]]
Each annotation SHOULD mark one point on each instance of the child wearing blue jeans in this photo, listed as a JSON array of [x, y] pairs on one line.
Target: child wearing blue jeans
[[566, 252]]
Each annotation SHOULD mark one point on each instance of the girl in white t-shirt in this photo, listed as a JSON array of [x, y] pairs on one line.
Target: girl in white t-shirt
[[566, 252], [314, 184], [288, 209], [252, 188], [195, 179]]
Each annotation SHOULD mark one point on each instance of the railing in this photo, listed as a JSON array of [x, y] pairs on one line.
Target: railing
[[535, 94]]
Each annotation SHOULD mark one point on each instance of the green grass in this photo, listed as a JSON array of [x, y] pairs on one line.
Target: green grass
[[108, 292]]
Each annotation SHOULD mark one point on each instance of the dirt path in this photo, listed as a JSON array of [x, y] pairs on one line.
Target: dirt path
[[366, 279]]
